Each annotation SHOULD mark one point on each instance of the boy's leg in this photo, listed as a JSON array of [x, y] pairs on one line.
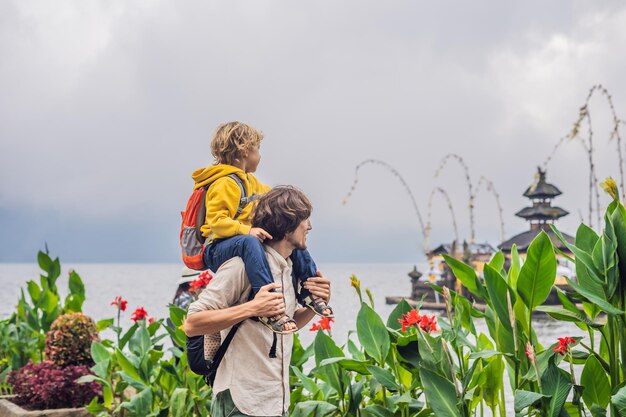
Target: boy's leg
[[303, 268], [250, 249]]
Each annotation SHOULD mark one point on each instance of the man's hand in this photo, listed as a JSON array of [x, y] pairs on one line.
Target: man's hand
[[260, 234], [319, 286], [266, 303]]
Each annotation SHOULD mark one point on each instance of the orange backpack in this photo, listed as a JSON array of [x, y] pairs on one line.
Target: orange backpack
[[192, 242]]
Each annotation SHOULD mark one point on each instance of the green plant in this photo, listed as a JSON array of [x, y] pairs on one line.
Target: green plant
[[68, 342], [23, 333]]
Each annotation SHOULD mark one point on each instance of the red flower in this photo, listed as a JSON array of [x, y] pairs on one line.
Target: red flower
[[202, 281], [139, 314], [563, 345], [151, 320], [413, 318], [323, 324], [120, 303]]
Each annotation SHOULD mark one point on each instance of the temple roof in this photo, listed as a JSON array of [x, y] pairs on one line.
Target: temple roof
[[541, 213], [541, 189], [474, 248], [524, 239]]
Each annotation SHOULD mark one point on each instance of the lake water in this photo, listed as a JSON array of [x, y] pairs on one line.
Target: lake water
[[152, 286]]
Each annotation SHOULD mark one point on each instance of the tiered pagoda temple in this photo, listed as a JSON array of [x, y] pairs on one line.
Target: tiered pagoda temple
[[540, 215]]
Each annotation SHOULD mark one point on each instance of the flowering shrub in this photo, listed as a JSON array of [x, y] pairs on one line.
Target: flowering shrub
[[68, 342], [46, 385]]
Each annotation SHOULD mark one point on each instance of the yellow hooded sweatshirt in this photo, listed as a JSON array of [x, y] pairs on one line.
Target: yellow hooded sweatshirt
[[222, 200]]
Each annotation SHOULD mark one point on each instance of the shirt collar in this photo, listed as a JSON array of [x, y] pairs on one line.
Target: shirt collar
[[277, 257]]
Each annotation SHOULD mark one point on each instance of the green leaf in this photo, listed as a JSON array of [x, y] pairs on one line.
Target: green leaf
[[599, 301], [538, 272], [325, 348], [177, 315], [178, 403], [76, 284], [34, 291], [466, 275], [562, 314], [619, 401], [582, 257], [376, 411], [524, 399], [384, 377], [396, 314], [514, 269], [140, 404], [596, 383], [312, 408], [497, 262], [129, 333], [556, 383], [308, 383], [353, 365], [104, 324], [497, 289], [126, 365], [586, 238], [99, 353], [140, 341], [440, 394], [372, 333]]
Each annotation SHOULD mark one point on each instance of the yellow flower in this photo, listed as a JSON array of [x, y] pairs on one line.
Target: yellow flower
[[355, 283], [610, 187]]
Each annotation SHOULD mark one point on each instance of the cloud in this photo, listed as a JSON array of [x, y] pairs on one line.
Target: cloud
[[108, 107]]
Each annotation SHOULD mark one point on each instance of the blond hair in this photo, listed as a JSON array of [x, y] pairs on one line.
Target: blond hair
[[232, 139]]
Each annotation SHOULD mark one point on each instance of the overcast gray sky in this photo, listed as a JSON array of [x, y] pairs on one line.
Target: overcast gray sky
[[108, 106]]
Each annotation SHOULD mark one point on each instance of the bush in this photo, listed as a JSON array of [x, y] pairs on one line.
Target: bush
[[47, 386], [68, 342]]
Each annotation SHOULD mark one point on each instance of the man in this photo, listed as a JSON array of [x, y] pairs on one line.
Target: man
[[253, 377]]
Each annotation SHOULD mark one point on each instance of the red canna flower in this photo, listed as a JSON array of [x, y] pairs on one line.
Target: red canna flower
[[563, 345], [322, 324], [139, 314], [413, 318], [120, 303], [151, 320], [202, 281]]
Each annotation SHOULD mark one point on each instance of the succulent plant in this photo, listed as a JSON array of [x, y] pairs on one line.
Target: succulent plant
[[68, 342]]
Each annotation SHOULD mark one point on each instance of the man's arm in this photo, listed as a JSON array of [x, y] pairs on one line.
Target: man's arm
[[320, 287], [264, 304]]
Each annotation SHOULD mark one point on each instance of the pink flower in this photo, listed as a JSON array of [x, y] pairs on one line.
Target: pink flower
[[139, 314], [120, 303]]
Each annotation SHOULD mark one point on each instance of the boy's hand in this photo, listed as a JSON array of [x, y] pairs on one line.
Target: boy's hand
[[268, 304], [260, 234]]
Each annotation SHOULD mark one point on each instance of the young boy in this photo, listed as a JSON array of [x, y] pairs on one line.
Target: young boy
[[235, 147]]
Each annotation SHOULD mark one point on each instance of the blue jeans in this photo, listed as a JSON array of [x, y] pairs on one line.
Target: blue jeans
[[250, 249]]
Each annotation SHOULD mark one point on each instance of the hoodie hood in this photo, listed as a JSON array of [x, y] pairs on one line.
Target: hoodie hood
[[205, 176]]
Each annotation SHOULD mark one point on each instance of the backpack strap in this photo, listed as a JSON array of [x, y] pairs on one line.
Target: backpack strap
[[217, 359], [243, 201]]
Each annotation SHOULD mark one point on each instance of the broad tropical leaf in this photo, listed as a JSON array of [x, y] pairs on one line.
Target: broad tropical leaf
[[372, 333], [538, 272], [440, 394]]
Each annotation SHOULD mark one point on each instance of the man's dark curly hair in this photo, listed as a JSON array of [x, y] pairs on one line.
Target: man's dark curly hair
[[281, 210]]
